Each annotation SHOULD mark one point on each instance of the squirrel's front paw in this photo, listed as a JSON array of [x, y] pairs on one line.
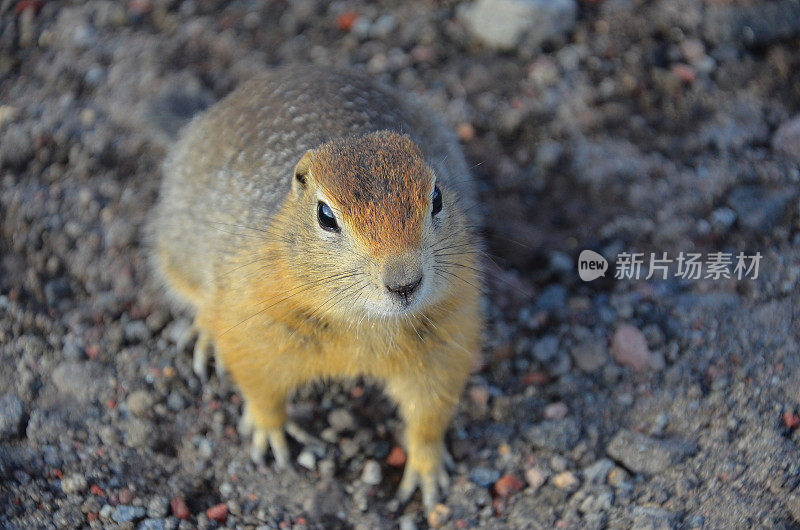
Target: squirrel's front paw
[[261, 438], [433, 484], [276, 441]]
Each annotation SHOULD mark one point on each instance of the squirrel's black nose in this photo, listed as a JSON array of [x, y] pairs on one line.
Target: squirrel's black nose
[[406, 290]]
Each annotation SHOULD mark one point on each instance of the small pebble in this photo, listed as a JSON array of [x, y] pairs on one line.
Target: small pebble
[[125, 513], [484, 476], [327, 468], [372, 473], [629, 348], [787, 138], [546, 348], [556, 411], [7, 114], [157, 507], [617, 476], [479, 395], [74, 483], [152, 524], [218, 513], [205, 448], [397, 457], [125, 496], [466, 132], [307, 460], [179, 508], [566, 480], [536, 477], [175, 401], [11, 416], [407, 523], [439, 516], [508, 485], [341, 420], [791, 420], [558, 463], [346, 20], [597, 472], [589, 356]]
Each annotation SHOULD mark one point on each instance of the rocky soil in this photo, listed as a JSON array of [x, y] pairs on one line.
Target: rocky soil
[[615, 125]]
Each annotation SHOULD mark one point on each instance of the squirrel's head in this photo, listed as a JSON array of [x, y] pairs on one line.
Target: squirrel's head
[[376, 230]]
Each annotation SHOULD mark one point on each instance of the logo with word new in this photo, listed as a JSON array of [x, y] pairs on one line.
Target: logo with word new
[[591, 265]]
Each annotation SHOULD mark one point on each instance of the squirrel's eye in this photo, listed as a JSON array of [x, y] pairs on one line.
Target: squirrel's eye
[[437, 200], [325, 217]]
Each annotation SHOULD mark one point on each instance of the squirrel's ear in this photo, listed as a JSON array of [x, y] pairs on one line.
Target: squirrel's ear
[[301, 171]]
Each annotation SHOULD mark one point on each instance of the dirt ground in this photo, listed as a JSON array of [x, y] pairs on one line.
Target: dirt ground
[[660, 126]]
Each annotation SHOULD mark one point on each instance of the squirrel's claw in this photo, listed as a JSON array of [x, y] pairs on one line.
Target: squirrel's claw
[[303, 436], [273, 438], [432, 485], [202, 347], [276, 441], [447, 460], [186, 337], [245, 425], [219, 368]]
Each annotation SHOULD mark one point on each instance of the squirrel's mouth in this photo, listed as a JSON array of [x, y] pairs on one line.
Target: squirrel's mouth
[[407, 298], [405, 294]]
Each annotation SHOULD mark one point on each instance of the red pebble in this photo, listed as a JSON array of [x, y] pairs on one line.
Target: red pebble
[[461, 523], [791, 420], [179, 508], [536, 378], [499, 505], [301, 520], [140, 7], [230, 432], [397, 457], [92, 516], [57, 473], [345, 21], [24, 5], [94, 489], [125, 496], [218, 513], [508, 484], [684, 72]]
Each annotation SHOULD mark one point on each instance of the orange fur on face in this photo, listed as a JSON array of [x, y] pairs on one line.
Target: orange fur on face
[[380, 183]]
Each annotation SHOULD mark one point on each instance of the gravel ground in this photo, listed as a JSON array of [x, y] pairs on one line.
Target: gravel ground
[[615, 125]]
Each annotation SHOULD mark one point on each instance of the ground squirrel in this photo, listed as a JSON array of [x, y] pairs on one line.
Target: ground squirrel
[[322, 225]]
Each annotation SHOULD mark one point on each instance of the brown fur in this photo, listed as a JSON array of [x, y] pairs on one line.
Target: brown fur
[[380, 182]]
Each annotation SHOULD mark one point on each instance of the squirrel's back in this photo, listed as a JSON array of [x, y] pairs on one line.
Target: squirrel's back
[[232, 166]]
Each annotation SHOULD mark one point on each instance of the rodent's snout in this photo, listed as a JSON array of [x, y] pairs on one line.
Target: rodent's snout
[[405, 291], [403, 278]]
